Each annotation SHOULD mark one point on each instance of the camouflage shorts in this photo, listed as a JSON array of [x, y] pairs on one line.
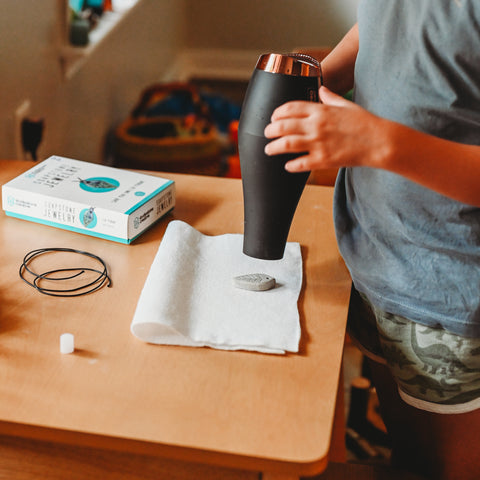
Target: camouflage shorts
[[435, 370]]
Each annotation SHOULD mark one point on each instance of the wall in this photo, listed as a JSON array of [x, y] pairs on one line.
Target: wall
[[268, 25], [80, 111]]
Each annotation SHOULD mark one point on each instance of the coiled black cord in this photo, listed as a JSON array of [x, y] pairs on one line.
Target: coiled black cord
[[84, 289]]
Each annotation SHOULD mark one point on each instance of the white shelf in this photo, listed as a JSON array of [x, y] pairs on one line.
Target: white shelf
[[71, 57]]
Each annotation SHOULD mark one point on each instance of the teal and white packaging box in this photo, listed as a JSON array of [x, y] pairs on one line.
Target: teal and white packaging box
[[89, 198]]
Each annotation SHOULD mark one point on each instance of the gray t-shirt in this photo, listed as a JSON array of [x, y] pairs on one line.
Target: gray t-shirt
[[412, 251]]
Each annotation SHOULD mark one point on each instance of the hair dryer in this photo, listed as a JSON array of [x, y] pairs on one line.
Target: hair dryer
[[270, 193]]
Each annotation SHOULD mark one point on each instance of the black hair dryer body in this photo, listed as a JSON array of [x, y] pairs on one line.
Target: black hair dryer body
[[270, 193]]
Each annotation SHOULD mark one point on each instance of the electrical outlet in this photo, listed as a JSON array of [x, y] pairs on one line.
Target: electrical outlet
[[22, 111]]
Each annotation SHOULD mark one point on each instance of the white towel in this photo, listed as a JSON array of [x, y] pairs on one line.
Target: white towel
[[189, 297]]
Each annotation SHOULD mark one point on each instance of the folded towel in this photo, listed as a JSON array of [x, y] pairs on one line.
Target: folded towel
[[189, 297]]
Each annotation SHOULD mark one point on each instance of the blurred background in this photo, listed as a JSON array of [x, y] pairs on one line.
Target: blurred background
[[76, 95]]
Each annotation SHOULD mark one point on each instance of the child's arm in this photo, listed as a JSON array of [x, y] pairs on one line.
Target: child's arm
[[338, 66], [337, 71], [338, 133]]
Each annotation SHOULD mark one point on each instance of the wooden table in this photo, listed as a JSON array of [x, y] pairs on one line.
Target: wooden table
[[119, 408]]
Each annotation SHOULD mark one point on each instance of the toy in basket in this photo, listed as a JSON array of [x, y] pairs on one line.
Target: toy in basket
[[170, 130]]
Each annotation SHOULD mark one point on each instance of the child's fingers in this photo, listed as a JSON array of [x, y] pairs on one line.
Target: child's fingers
[[300, 164], [292, 109], [287, 144], [287, 126], [327, 97]]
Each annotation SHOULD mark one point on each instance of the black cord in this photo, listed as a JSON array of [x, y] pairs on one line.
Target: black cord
[[32, 132], [89, 287]]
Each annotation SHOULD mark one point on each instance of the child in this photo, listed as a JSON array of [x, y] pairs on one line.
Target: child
[[407, 214]]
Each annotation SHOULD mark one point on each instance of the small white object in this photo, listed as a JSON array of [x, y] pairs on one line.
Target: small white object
[[67, 343]]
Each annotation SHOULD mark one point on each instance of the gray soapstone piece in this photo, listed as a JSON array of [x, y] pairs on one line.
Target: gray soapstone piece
[[257, 282]]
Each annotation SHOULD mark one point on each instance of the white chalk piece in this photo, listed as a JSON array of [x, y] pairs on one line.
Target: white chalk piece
[[67, 344], [257, 282]]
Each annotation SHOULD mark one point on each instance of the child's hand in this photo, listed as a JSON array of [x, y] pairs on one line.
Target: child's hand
[[334, 133]]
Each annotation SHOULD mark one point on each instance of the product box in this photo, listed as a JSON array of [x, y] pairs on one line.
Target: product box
[[88, 198]]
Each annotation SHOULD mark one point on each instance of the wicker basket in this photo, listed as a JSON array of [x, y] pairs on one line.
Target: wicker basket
[[187, 143]]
